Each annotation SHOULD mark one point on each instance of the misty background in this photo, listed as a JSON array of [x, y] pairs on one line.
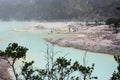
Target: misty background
[[58, 9]]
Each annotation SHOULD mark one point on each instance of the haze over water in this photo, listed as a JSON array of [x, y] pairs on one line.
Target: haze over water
[[33, 40]]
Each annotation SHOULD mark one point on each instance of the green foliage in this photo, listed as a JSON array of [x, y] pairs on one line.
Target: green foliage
[[64, 70], [27, 70], [42, 73], [12, 53], [115, 22], [85, 71], [29, 73], [60, 69], [62, 62], [116, 74]]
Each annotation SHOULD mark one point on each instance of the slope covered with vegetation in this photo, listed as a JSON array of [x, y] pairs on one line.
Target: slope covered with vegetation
[[58, 9]]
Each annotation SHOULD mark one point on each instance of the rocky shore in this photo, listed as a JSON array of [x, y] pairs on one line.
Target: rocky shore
[[95, 38], [91, 38]]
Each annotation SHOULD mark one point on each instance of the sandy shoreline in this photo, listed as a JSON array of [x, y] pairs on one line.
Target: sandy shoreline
[[89, 46], [42, 25], [95, 38]]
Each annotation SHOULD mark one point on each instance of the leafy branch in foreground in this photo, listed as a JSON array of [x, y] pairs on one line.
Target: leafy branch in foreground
[[64, 69], [13, 53], [56, 69], [116, 74]]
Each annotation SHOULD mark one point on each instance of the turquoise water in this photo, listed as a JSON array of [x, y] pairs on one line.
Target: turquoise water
[[33, 40]]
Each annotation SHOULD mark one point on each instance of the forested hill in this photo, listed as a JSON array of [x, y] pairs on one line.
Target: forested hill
[[58, 9]]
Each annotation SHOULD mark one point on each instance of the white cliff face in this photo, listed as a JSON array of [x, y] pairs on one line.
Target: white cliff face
[[4, 73], [118, 36]]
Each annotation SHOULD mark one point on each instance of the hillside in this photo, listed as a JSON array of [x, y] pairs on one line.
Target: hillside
[[58, 9]]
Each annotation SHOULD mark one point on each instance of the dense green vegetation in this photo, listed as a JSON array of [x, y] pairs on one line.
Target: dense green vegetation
[[13, 53]]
